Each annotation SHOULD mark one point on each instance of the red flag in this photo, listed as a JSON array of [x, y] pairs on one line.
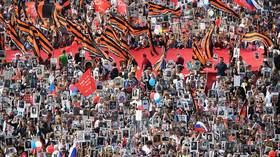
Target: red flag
[[101, 6], [86, 84], [122, 7], [243, 110]]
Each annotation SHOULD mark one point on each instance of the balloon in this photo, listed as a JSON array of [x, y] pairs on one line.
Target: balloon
[[38, 144], [210, 13], [33, 144], [96, 99], [157, 32], [158, 29], [50, 149], [152, 95], [152, 82], [157, 98], [52, 87]]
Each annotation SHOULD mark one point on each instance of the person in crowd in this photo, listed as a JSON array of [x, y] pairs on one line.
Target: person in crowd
[[78, 58], [114, 72], [221, 67], [63, 59], [146, 63]]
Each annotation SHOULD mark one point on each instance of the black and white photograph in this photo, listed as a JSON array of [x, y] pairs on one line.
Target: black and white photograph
[[36, 98], [34, 112], [194, 147]]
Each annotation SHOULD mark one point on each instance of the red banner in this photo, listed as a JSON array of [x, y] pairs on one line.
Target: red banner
[[122, 7], [101, 6], [86, 84]]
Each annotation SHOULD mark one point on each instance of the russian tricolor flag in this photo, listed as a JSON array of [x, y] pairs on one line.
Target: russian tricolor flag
[[200, 127], [73, 151]]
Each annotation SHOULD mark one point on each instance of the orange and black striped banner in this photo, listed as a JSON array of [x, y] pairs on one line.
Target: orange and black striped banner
[[71, 27], [197, 54], [31, 38], [88, 44], [42, 39], [112, 45], [222, 6], [23, 26], [155, 9], [15, 38], [158, 64], [250, 37], [123, 25], [110, 32], [206, 44], [152, 47]]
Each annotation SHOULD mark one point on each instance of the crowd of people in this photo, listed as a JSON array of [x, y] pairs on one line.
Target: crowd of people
[[162, 113]]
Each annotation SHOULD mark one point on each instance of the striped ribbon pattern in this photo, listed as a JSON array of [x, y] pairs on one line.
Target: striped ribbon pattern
[[250, 37], [222, 6]]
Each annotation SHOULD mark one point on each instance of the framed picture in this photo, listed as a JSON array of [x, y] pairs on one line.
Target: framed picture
[[34, 112], [165, 137], [87, 136], [80, 135], [221, 95], [40, 71], [100, 141], [269, 110], [136, 94], [222, 112], [215, 56], [104, 132], [183, 118], [125, 133], [57, 128], [65, 95], [21, 104], [99, 85], [157, 138], [53, 61], [27, 145], [277, 138], [223, 145], [114, 139], [274, 98], [20, 112], [7, 83], [146, 104], [267, 74], [88, 124], [210, 138], [36, 98], [213, 94], [9, 140], [194, 146], [113, 105]]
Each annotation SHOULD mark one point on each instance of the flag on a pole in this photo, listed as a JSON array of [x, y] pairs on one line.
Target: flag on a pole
[[86, 84]]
